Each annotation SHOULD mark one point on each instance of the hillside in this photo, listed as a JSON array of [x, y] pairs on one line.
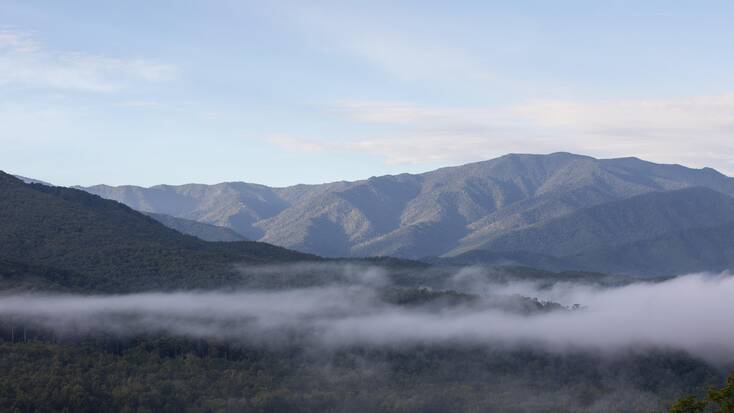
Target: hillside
[[620, 222], [106, 246], [659, 233], [679, 252], [206, 232], [440, 213]]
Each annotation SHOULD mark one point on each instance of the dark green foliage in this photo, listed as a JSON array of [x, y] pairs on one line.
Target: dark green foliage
[[165, 374], [689, 404], [441, 300], [719, 400], [18, 275], [423, 296]]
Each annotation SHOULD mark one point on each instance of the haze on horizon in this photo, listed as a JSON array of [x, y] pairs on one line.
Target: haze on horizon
[[280, 93]]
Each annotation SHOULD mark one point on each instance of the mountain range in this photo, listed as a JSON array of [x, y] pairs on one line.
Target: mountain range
[[557, 211]]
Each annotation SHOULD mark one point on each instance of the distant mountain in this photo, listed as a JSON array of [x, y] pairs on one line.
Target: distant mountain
[[680, 252], [707, 249], [659, 233], [620, 222], [63, 236], [206, 232], [446, 212]]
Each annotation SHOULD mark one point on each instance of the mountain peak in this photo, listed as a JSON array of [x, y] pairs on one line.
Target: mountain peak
[[559, 154], [533, 157]]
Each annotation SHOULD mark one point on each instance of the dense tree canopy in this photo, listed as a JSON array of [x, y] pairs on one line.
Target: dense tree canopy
[[164, 374], [718, 400]]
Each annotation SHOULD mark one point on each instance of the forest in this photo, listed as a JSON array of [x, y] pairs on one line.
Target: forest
[[168, 374]]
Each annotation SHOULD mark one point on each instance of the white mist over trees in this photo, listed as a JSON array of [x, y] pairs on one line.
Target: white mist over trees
[[686, 313]]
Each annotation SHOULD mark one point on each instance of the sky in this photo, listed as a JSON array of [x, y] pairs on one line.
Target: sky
[[285, 92]]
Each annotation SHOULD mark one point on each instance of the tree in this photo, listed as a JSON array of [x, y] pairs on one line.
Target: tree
[[722, 399]]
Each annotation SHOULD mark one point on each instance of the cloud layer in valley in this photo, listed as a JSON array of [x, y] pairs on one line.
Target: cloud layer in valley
[[689, 313]]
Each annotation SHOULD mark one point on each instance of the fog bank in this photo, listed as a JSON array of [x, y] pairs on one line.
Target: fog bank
[[691, 313]]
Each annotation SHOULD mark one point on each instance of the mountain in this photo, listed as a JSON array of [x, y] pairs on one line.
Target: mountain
[[72, 238], [206, 232], [620, 222], [658, 233], [231, 205], [706, 249], [446, 212], [681, 252]]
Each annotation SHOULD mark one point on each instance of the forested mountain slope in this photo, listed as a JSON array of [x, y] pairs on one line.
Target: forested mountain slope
[[620, 222], [108, 246], [658, 233], [206, 232]]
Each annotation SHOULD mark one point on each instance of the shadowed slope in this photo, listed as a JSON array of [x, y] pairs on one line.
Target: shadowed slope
[[206, 232]]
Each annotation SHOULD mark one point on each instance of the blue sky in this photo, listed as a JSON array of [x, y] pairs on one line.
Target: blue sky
[[285, 92]]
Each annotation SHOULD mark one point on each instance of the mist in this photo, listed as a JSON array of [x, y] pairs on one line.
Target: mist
[[689, 313]]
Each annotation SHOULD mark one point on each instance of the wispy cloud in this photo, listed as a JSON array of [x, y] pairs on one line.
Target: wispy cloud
[[415, 60], [25, 62], [695, 130], [417, 50], [405, 113]]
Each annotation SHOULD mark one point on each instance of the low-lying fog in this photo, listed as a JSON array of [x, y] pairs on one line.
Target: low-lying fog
[[691, 313]]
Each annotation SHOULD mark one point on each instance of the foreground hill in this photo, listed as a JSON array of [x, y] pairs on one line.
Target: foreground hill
[[445, 212], [83, 241]]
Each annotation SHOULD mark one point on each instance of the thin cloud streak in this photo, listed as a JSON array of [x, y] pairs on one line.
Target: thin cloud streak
[[417, 54], [694, 130], [26, 63]]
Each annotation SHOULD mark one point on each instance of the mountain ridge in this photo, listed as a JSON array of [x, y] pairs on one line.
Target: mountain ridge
[[447, 211]]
